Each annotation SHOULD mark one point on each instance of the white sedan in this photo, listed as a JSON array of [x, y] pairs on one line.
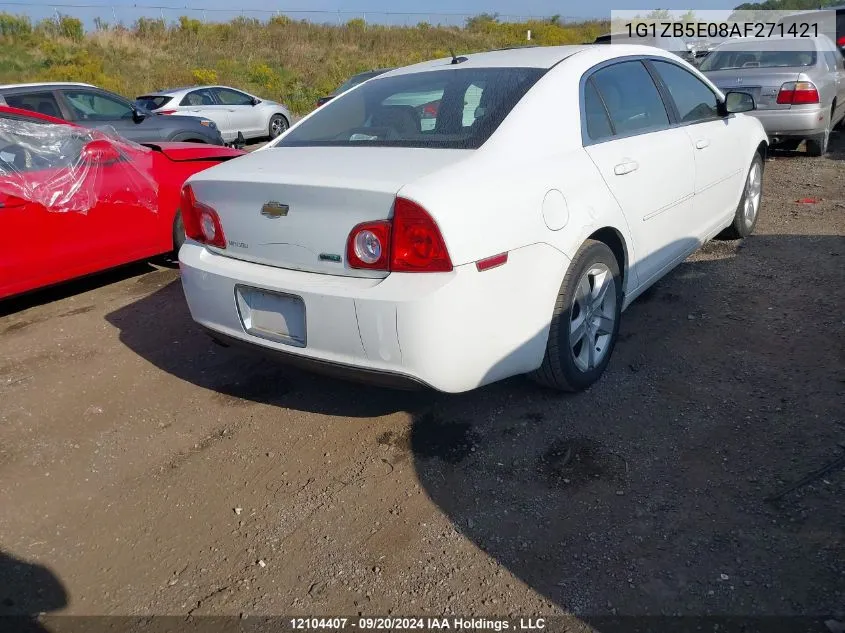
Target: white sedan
[[231, 110], [506, 238]]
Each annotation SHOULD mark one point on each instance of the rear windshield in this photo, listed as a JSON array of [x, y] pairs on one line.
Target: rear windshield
[[454, 109], [733, 58], [153, 102]]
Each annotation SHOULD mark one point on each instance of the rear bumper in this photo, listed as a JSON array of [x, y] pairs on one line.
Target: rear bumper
[[450, 331], [793, 122], [343, 371]]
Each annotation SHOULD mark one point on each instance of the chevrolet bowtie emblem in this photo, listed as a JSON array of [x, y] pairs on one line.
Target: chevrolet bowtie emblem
[[274, 209]]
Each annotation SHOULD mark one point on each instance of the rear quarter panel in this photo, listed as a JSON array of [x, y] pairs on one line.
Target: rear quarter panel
[[171, 175]]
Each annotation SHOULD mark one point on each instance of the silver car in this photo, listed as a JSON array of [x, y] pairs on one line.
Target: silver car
[[798, 85], [232, 110]]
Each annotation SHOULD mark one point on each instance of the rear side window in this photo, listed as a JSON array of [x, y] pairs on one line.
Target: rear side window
[[152, 102], [457, 108], [43, 102], [631, 98], [198, 98], [694, 100], [598, 125]]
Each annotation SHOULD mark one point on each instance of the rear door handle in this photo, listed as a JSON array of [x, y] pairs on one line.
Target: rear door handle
[[626, 168], [702, 143]]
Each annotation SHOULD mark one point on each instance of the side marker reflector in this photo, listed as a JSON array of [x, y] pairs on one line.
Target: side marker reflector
[[491, 262]]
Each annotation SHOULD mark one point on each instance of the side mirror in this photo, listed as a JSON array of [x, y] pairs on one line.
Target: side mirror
[[138, 115], [736, 102], [256, 101], [100, 152]]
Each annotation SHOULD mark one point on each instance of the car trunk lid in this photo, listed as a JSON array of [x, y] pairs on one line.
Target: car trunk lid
[[183, 152], [761, 83], [294, 207]]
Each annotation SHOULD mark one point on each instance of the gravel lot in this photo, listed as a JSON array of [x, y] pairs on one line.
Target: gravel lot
[[145, 470]]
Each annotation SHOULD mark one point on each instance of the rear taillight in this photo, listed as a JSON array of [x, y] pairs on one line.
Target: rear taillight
[[165, 111], [798, 92], [430, 109], [409, 242], [202, 224], [841, 41]]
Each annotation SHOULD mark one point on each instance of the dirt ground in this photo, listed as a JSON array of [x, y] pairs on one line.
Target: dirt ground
[[145, 470]]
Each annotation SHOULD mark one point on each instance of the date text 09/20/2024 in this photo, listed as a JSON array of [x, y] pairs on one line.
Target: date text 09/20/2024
[[420, 624]]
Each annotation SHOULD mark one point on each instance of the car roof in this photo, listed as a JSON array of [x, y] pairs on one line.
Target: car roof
[[522, 57], [169, 92], [48, 84]]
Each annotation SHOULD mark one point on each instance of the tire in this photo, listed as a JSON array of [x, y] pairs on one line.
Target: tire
[[566, 365], [187, 138], [817, 144], [278, 125], [745, 217], [178, 233], [789, 146]]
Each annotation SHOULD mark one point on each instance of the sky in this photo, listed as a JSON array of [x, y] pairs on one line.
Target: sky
[[382, 11]]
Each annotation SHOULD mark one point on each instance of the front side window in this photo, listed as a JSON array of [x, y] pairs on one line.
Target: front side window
[[94, 106], [232, 97], [29, 145], [693, 98], [632, 100], [455, 108]]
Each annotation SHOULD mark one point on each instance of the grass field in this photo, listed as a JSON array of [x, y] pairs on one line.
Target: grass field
[[293, 62]]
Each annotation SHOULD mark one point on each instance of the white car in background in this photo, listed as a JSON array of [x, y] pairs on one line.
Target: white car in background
[[231, 110], [505, 237]]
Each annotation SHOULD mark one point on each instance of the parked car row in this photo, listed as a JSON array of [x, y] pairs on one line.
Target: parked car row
[[205, 114], [232, 111]]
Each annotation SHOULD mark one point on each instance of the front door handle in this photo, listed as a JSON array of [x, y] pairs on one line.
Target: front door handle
[[626, 168], [702, 143]]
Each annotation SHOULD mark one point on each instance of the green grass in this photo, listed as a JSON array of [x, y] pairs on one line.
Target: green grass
[[293, 62]]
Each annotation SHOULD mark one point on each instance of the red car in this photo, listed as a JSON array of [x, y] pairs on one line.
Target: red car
[[75, 201]]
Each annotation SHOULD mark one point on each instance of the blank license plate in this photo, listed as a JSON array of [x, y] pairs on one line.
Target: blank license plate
[[272, 315]]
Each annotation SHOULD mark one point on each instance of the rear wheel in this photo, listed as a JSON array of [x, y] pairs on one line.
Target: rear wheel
[[278, 124], [817, 145], [748, 209], [585, 321]]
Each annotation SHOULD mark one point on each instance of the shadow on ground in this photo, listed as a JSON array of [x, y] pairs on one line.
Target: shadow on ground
[[643, 495], [27, 590]]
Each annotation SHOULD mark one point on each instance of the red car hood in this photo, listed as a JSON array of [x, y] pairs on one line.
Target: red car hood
[[180, 152]]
